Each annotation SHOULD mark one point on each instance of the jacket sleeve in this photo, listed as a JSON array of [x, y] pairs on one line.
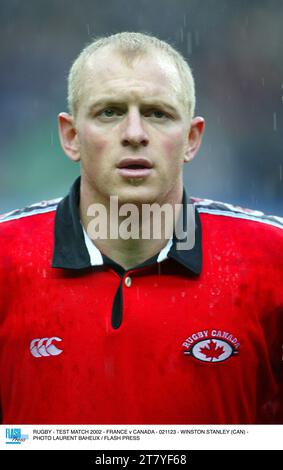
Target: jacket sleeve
[[271, 412]]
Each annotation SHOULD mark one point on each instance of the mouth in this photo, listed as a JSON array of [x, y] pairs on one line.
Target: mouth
[[134, 167]]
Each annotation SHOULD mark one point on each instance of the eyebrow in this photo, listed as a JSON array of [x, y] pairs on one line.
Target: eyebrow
[[110, 100]]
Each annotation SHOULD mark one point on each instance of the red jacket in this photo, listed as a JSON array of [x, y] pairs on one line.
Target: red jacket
[[193, 339]]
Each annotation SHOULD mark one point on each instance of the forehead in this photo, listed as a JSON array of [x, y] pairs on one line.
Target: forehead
[[152, 75]]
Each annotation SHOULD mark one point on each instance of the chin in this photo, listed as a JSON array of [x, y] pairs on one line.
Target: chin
[[137, 195]]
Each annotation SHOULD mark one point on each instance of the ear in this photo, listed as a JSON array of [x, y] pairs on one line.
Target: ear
[[194, 138], [68, 136]]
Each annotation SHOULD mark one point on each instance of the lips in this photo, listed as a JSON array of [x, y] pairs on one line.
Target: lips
[[134, 167], [134, 163]]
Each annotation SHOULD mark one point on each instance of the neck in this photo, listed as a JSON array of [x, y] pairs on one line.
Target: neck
[[131, 237]]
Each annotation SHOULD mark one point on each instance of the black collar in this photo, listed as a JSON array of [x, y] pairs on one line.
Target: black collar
[[70, 251]]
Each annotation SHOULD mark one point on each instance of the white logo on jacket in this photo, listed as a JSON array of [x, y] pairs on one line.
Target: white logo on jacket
[[40, 347], [212, 345]]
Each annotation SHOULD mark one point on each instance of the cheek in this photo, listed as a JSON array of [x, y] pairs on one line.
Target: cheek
[[92, 144], [174, 147]]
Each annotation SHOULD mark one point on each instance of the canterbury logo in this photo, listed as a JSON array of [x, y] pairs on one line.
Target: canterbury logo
[[44, 347]]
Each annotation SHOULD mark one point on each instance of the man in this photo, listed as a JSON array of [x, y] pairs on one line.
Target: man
[[119, 329]]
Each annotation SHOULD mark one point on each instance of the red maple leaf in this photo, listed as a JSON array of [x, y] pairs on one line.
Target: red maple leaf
[[212, 350]]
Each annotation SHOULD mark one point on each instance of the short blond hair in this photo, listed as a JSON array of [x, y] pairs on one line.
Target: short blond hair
[[131, 45]]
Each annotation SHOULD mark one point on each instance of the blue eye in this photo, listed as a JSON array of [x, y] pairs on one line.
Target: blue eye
[[111, 112], [158, 114], [108, 112]]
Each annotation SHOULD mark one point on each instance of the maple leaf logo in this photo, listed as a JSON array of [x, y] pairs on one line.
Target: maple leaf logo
[[211, 350]]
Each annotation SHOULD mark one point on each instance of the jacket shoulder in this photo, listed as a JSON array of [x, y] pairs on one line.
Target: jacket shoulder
[[30, 211], [223, 209]]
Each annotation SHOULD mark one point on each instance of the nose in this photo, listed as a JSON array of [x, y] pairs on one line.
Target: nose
[[133, 132]]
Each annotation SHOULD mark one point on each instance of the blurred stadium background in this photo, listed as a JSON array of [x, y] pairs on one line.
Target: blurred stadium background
[[234, 47]]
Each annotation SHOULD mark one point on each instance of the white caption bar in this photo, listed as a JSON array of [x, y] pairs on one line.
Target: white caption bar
[[121, 437]]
